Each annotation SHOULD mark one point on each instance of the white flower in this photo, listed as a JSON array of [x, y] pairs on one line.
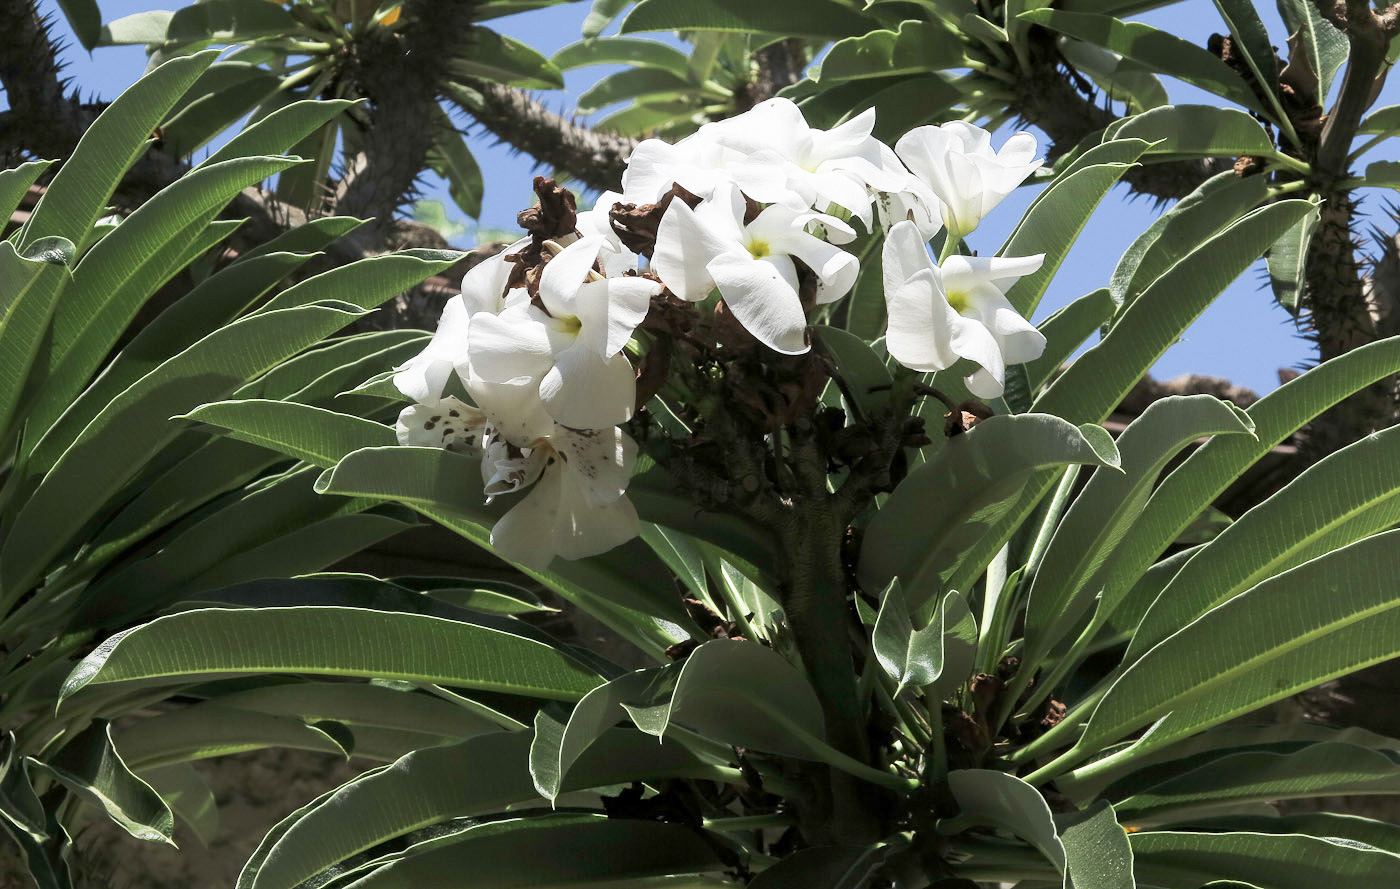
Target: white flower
[[938, 315], [616, 259], [697, 163], [572, 347], [786, 161], [957, 163], [424, 376], [447, 423], [752, 265], [576, 507]]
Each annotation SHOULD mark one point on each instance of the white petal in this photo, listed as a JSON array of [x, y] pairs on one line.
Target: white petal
[[601, 460], [587, 391], [424, 376], [904, 255], [514, 409], [625, 302], [524, 534], [973, 341], [982, 383], [920, 323], [506, 468], [581, 530], [565, 273], [448, 423], [1019, 340], [835, 268], [1019, 150], [512, 344], [685, 244], [763, 298], [484, 285]]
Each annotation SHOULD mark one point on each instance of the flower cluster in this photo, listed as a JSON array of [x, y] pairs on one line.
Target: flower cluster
[[758, 208]]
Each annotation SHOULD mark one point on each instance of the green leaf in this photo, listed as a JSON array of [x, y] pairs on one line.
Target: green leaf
[[29, 289], [632, 83], [123, 270], [1208, 471], [1153, 49], [601, 14], [85, 19], [903, 102], [1121, 79], [1063, 589], [1195, 130], [811, 867], [1383, 174], [742, 693], [1325, 618], [1325, 48], [1067, 330], [367, 282], [1188, 860], [413, 476], [1097, 851], [80, 191], [1340, 499], [332, 642], [1327, 769], [598, 852], [224, 93], [623, 51], [1213, 204], [15, 183], [277, 133], [137, 28], [318, 436], [427, 787], [1252, 41], [559, 743], [90, 766], [228, 21], [942, 652], [1054, 221], [497, 57], [1097, 382], [116, 444], [452, 160], [864, 373], [1003, 800], [208, 730], [189, 797], [915, 48], [927, 523], [1380, 122], [824, 19]]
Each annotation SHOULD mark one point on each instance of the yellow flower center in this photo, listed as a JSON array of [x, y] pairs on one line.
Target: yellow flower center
[[958, 300], [758, 249]]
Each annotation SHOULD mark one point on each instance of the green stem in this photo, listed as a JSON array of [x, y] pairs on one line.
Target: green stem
[[749, 822]]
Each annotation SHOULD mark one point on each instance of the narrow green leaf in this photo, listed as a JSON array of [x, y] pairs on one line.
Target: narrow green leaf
[[916, 47], [1003, 800], [1252, 40], [81, 189], [318, 436], [90, 766], [598, 852], [601, 14], [927, 523], [492, 55], [1063, 589], [799, 18], [1195, 130], [1153, 49], [208, 730], [116, 444], [632, 83], [1097, 851], [85, 19], [1065, 331], [332, 642], [189, 797], [427, 787], [1348, 495], [940, 654], [452, 160], [1188, 859], [1325, 618], [623, 51], [278, 132], [15, 182]]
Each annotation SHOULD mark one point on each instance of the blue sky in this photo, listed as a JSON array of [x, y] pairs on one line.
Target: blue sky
[[1244, 337]]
